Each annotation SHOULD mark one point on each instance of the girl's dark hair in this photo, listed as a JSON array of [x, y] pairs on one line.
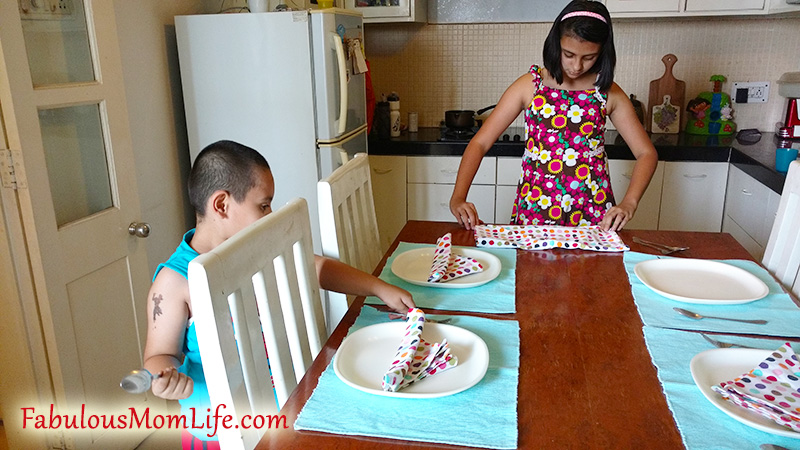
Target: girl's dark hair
[[587, 29], [226, 166]]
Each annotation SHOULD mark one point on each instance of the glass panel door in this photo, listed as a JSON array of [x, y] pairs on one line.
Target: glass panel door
[[56, 41], [77, 166]]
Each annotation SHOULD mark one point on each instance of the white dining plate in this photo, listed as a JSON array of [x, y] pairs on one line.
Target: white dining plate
[[414, 266], [700, 281], [714, 366], [366, 355]]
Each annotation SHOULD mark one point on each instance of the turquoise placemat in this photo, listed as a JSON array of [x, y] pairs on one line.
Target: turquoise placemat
[[777, 307], [484, 415], [497, 296], [701, 424]]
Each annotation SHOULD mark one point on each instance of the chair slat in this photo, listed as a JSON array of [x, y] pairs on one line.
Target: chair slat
[[782, 256]]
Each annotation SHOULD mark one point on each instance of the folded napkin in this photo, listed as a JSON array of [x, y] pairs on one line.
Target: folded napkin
[[446, 266], [415, 358], [771, 389], [536, 237]]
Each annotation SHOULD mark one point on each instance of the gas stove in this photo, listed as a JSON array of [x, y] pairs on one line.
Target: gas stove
[[512, 134]]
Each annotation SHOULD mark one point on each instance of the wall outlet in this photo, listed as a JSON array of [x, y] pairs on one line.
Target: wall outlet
[[750, 91]]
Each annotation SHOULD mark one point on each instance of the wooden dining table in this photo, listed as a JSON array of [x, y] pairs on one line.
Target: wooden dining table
[[578, 324]]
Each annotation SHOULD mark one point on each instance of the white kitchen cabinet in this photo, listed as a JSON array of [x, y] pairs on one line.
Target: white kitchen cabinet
[[376, 11], [647, 213], [750, 209], [431, 180], [432, 201], [679, 8], [508, 172], [388, 174], [640, 6], [693, 196]]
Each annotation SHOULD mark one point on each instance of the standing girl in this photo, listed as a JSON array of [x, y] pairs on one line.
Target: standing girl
[[564, 179]]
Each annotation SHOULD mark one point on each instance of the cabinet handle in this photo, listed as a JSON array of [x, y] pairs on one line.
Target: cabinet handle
[[746, 192], [381, 171], [628, 175], [695, 177], [445, 205], [449, 171]]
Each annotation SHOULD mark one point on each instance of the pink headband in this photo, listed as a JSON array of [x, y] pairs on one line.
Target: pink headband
[[584, 13]]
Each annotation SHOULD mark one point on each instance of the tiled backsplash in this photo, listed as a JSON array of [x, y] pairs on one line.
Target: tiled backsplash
[[434, 68]]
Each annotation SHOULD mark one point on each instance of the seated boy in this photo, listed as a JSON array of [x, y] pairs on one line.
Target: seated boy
[[230, 187]]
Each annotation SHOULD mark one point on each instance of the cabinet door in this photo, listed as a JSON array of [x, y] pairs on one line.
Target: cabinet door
[[389, 194], [508, 171], [617, 6], [432, 201], [504, 203], [754, 248], [693, 196], [443, 169], [390, 10], [646, 217], [724, 5], [746, 203]]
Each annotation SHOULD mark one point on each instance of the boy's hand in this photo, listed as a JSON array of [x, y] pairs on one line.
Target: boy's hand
[[172, 385], [396, 298]]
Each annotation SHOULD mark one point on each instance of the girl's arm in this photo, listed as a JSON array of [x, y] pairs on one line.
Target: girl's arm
[[514, 99], [167, 313], [621, 112], [339, 277]]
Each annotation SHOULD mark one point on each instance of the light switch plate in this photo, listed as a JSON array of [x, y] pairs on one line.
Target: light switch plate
[[750, 91]]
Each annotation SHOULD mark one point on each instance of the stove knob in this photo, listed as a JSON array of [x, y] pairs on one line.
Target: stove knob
[[517, 138], [506, 138]]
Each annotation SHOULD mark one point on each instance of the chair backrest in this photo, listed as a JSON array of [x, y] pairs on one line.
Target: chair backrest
[[782, 257], [257, 289], [348, 227]]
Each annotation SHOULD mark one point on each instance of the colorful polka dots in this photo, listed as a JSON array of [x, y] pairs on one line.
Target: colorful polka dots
[[538, 237]]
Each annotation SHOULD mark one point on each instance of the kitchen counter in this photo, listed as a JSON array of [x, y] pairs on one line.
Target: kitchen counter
[[757, 160]]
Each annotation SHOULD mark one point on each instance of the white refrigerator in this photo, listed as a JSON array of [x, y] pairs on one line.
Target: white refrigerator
[[282, 83]]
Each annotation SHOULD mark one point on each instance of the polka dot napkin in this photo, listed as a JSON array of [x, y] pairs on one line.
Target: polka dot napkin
[[541, 237], [446, 266], [771, 389], [416, 358]]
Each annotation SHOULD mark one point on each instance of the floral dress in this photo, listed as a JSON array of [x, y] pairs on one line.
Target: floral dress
[[564, 179]]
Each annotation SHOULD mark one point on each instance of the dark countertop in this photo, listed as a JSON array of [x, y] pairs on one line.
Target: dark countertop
[[757, 160]]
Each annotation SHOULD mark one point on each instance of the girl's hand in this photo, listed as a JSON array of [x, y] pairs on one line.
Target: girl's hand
[[172, 385], [396, 298], [465, 213], [617, 216]]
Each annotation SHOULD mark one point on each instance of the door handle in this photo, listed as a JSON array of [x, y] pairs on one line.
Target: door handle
[[139, 229]]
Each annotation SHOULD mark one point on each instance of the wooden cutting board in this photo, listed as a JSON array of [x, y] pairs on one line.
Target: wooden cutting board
[[665, 105]]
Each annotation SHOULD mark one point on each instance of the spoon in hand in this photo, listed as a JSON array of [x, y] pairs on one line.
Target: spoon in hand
[[694, 315]]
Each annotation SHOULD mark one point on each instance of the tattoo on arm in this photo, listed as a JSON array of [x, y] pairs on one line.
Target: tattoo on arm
[[157, 299]]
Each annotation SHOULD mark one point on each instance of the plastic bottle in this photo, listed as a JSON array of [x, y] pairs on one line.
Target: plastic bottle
[[394, 114]]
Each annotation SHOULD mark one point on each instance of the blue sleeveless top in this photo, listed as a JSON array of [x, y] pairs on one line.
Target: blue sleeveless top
[[192, 364]]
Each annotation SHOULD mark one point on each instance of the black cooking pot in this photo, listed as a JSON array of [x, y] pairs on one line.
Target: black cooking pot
[[462, 119]]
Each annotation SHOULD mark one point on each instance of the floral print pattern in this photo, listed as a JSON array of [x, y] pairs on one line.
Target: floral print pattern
[[564, 178]]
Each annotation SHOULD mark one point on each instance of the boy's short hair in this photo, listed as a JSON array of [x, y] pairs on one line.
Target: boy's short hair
[[223, 166], [587, 29]]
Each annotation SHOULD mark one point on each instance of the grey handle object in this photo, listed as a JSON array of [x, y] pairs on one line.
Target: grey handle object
[[139, 229]]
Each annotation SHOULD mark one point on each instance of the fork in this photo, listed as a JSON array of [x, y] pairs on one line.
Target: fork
[[664, 249], [720, 344]]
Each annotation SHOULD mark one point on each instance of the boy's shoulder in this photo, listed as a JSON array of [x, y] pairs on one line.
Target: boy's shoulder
[[171, 284]]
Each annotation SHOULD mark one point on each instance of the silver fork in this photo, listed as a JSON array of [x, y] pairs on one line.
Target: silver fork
[[720, 344], [663, 248]]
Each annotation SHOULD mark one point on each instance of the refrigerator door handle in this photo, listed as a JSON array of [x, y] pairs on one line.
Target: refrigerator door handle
[[341, 62]]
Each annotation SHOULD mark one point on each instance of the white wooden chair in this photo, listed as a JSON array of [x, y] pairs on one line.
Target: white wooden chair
[[348, 228], [782, 257], [259, 288]]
